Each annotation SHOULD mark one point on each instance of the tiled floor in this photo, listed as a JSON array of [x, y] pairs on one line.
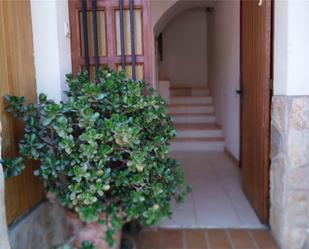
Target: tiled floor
[[206, 239], [216, 200]]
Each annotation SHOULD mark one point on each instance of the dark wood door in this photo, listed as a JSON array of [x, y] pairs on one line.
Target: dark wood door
[[255, 102]]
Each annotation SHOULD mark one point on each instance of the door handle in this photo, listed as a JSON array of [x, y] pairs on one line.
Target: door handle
[[239, 92]]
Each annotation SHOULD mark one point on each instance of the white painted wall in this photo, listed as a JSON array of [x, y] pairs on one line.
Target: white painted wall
[[52, 52], [291, 50], [185, 50], [224, 68], [163, 11]]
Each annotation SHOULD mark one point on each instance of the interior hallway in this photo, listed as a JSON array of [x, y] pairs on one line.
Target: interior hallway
[[217, 199]]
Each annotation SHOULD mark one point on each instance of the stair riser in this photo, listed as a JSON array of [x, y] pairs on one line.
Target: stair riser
[[189, 92], [193, 119], [191, 100], [200, 92], [191, 109], [197, 146], [200, 134]]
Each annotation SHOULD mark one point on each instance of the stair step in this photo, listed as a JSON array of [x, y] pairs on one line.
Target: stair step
[[192, 118], [197, 144], [192, 108], [198, 130], [200, 92], [187, 91], [191, 100]]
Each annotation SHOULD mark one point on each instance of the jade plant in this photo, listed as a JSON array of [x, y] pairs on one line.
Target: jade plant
[[103, 150]]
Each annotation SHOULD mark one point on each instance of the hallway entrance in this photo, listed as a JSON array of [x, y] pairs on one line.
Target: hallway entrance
[[214, 73]]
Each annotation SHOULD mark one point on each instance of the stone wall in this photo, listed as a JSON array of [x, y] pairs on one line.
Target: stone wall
[[43, 228], [289, 173]]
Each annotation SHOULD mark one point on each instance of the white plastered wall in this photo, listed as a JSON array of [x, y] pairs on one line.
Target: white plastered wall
[[51, 42], [162, 11], [224, 68], [291, 50], [185, 50]]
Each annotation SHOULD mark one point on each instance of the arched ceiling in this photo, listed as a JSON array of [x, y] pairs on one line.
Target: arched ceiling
[[170, 9]]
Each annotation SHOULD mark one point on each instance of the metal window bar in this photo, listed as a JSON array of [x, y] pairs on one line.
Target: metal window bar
[[123, 63], [85, 35], [132, 39], [95, 34]]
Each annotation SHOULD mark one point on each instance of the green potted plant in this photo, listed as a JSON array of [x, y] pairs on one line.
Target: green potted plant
[[103, 153]]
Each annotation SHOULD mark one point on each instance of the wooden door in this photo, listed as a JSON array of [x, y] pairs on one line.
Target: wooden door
[[108, 32], [255, 102], [17, 78]]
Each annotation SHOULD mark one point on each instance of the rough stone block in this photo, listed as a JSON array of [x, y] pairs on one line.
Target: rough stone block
[[277, 176], [296, 208], [44, 227], [278, 115], [293, 238], [297, 148], [298, 178], [299, 117], [276, 144]]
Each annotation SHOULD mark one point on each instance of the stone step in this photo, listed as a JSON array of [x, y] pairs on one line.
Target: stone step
[[193, 108], [193, 118], [187, 91], [200, 92], [198, 130], [197, 144], [191, 100]]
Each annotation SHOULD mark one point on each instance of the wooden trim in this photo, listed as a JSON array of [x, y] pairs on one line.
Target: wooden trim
[[232, 157]]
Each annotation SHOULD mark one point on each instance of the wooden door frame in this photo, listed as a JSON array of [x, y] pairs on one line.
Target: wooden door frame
[[264, 217]]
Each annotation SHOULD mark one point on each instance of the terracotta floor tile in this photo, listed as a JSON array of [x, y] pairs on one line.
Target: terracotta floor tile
[[241, 239], [218, 239], [264, 239], [150, 240], [172, 239], [195, 239]]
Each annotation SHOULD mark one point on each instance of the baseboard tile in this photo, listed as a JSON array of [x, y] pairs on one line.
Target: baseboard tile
[[232, 157]]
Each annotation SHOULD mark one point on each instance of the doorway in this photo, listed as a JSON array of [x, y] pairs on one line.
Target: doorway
[[221, 120]]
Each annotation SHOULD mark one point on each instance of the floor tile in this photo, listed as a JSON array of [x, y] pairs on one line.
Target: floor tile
[[195, 239], [263, 239], [217, 219], [187, 205], [180, 219], [218, 239], [150, 240], [172, 239], [217, 199], [241, 239], [206, 239]]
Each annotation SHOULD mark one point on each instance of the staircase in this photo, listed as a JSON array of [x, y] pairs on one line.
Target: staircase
[[192, 112]]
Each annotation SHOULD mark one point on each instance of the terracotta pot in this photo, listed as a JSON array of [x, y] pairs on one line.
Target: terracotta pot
[[92, 232]]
